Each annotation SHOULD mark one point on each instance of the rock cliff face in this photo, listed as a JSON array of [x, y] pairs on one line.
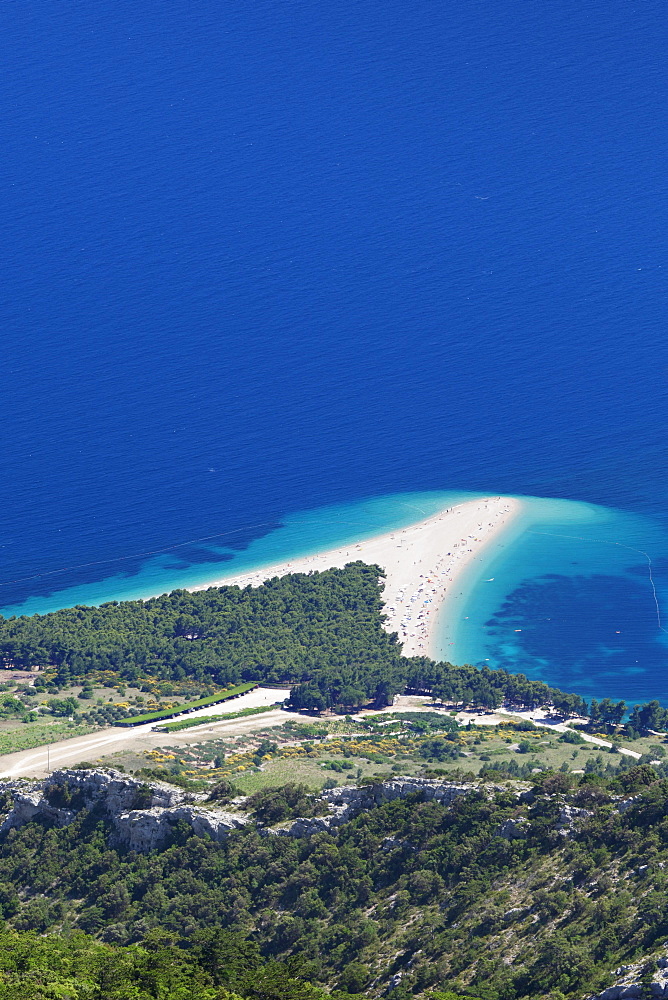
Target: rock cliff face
[[634, 991], [348, 801], [141, 816], [569, 819], [145, 829], [513, 829], [631, 989]]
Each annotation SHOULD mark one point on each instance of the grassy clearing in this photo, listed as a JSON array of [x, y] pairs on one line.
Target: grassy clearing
[[297, 750], [35, 734], [311, 772], [279, 772], [543, 748], [653, 746], [123, 760]]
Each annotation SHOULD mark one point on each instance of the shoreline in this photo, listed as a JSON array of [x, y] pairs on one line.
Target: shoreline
[[422, 564], [451, 621]]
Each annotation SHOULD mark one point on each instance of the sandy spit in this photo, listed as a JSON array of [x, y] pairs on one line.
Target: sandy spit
[[422, 563]]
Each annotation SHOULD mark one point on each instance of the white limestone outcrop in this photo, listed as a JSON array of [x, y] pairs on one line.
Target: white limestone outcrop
[[631, 989], [141, 816], [348, 801]]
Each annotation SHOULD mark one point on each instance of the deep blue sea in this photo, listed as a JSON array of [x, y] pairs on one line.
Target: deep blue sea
[[276, 274]]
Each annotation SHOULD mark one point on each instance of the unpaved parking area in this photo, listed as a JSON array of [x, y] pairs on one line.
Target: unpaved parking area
[[37, 762]]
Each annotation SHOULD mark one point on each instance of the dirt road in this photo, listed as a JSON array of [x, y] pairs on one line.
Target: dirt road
[[37, 762]]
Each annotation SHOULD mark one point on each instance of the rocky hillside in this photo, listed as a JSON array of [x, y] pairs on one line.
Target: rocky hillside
[[140, 816], [498, 891], [143, 815]]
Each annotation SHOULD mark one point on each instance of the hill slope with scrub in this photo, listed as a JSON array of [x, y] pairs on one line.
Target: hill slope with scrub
[[506, 891]]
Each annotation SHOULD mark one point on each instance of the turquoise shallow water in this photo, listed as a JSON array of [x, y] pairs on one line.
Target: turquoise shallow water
[[299, 534], [571, 594]]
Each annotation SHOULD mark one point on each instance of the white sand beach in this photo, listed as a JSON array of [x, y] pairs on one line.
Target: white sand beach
[[422, 563]]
